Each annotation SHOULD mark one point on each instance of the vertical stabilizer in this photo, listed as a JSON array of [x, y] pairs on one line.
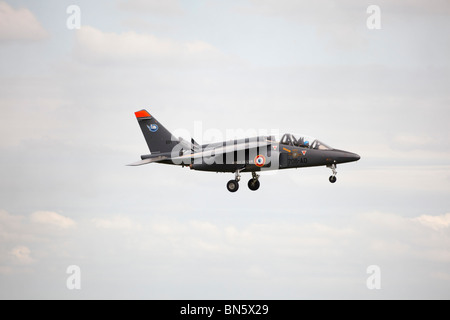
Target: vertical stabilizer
[[158, 138]]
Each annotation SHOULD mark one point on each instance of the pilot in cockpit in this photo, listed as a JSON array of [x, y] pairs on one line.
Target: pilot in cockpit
[[301, 142], [305, 144]]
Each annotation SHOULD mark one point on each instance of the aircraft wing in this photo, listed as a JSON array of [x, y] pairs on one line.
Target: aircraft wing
[[214, 151]]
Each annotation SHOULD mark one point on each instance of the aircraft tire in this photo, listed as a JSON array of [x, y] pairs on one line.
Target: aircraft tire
[[253, 184], [333, 179], [232, 185]]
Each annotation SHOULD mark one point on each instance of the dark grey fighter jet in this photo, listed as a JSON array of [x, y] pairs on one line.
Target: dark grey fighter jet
[[243, 155]]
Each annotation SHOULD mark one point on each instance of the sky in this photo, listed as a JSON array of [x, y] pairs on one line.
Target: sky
[[69, 87]]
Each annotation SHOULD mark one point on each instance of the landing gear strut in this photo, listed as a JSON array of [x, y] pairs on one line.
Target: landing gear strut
[[333, 176], [253, 183], [233, 185]]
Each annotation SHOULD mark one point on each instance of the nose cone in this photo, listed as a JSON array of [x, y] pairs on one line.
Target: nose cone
[[355, 157], [345, 156]]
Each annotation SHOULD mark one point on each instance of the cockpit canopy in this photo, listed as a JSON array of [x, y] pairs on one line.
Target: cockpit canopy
[[303, 142]]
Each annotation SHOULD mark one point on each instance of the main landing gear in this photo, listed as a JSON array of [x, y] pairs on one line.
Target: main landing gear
[[253, 183], [233, 185], [333, 176]]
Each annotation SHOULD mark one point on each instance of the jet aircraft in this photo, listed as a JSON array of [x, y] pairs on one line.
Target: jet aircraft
[[253, 155]]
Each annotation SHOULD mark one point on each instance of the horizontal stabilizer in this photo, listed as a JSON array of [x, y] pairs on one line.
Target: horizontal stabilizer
[[148, 160]]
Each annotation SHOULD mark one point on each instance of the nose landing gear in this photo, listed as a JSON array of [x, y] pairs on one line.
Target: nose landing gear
[[333, 178]]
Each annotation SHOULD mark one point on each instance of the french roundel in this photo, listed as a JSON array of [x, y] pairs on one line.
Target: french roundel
[[260, 160]]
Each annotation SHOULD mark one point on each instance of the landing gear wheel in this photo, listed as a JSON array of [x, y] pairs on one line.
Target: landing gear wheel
[[333, 179], [253, 184], [232, 185]]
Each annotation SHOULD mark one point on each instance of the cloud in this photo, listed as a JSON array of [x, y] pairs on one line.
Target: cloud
[[331, 11], [24, 242], [314, 256], [22, 255], [156, 7], [116, 223], [53, 219], [434, 222], [11, 228], [392, 236], [8, 220], [341, 23], [19, 24], [98, 47], [434, 7]]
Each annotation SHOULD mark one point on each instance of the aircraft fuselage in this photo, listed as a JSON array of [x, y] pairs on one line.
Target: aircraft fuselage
[[277, 156]]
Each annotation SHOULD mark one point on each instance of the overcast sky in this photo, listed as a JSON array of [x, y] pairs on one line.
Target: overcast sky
[[205, 68]]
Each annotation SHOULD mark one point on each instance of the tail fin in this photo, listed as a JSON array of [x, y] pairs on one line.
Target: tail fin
[[158, 138]]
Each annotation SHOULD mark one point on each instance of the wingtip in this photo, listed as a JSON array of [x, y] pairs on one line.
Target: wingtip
[[142, 114]]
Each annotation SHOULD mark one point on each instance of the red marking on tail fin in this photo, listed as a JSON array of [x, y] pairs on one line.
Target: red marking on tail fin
[[142, 114]]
